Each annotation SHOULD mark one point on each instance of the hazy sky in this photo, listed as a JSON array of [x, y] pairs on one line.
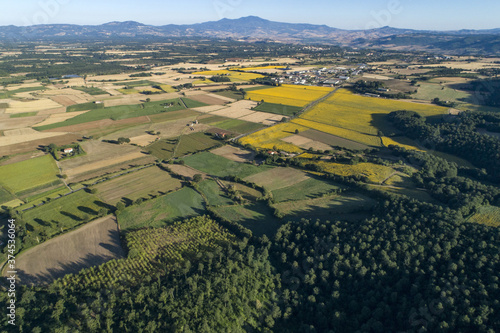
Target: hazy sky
[[353, 14]]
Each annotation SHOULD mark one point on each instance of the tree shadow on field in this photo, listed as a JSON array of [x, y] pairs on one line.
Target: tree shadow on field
[[104, 205], [42, 222], [128, 202], [381, 122], [87, 210], [72, 216]]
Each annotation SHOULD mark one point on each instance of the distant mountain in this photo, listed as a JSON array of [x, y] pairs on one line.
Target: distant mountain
[[256, 28]]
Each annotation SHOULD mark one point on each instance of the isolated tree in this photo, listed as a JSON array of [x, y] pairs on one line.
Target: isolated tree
[[197, 178], [296, 131]]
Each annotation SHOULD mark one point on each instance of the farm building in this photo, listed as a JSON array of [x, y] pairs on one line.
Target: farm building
[[68, 150]]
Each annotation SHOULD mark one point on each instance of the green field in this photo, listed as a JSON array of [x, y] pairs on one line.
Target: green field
[[5, 196], [22, 115], [195, 142], [222, 167], [163, 149], [62, 214], [91, 90], [325, 207], [429, 91], [116, 112], [277, 178], [487, 215], [214, 194], [53, 193], [31, 174], [230, 94], [307, 189], [162, 210], [192, 103], [257, 217], [84, 107], [140, 184], [192, 143], [285, 110]]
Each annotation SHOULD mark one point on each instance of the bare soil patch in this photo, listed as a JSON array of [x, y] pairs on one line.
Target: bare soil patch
[[15, 136], [90, 245], [59, 117], [63, 100]]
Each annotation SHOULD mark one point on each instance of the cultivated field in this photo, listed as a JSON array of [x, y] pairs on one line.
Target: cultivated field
[[139, 184], [185, 171], [271, 138], [277, 178], [99, 155], [222, 167], [306, 143], [30, 106], [332, 140], [289, 95], [59, 117], [369, 172], [214, 194], [90, 245], [362, 114], [306, 189], [234, 153], [28, 175], [62, 214], [325, 207], [163, 210], [17, 136]]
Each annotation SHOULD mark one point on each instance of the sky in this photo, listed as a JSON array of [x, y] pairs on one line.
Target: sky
[[353, 14]]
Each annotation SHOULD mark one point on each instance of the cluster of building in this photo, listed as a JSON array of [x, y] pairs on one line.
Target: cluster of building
[[320, 76]]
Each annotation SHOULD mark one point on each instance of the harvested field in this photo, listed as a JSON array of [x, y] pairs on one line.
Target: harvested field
[[99, 153], [91, 245], [28, 146], [185, 171], [208, 99], [100, 126], [333, 140], [237, 110], [234, 153], [139, 99], [16, 136], [278, 178], [59, 117], [63, 100], [143, 140], [263, 118], [210, 108], [13, 123], [139, 184], [30, 106], [306, 143], [89, 167], [224, 98]]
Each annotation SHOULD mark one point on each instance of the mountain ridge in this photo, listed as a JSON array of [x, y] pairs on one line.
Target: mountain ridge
[[256, 28]]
